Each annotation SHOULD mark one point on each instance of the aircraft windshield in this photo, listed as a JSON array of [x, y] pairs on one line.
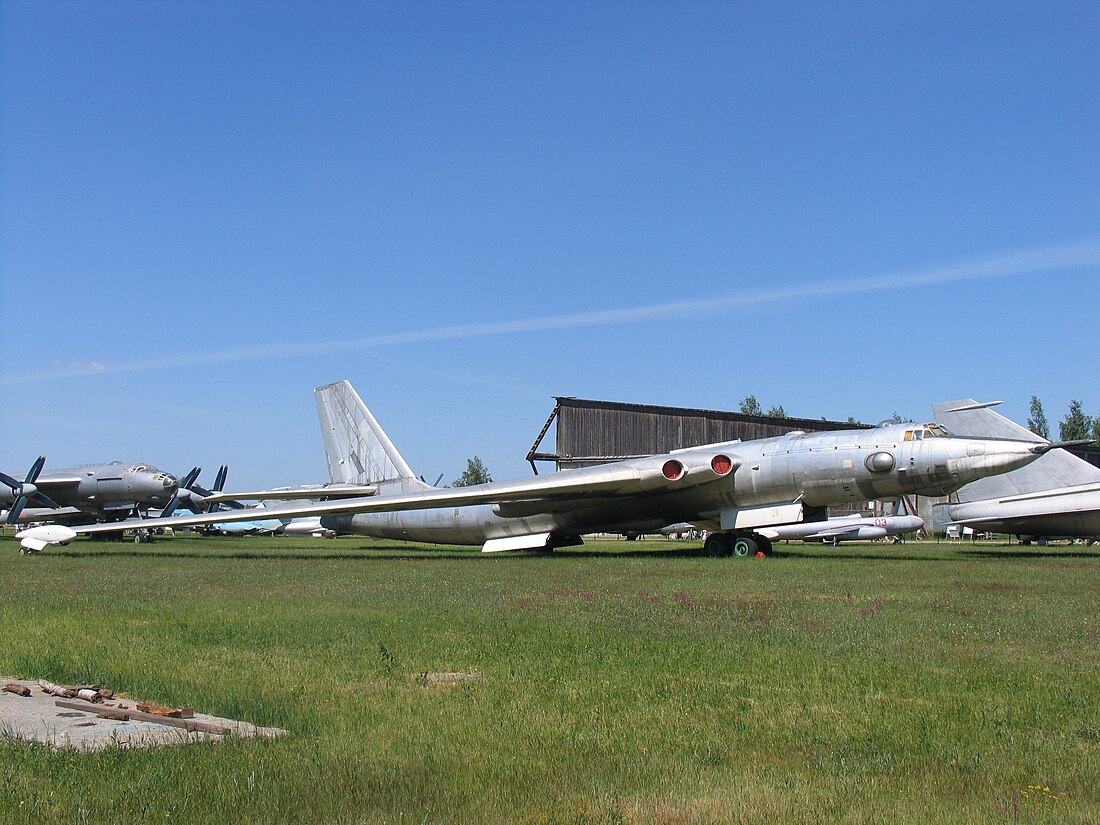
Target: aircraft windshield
[[927, 431]]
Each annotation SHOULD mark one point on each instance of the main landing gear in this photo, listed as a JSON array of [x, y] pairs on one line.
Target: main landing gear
[[736, 544]]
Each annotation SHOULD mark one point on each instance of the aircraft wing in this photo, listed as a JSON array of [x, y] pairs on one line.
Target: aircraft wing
[[562, 490], [357, 491]]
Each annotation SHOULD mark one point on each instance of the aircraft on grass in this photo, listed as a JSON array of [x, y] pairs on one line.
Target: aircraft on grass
[[1056, 496], [200, 500], [101, 491], [836, 529], [733, 488]]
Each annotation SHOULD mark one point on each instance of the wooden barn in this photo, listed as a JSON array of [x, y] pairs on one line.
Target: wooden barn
[[594, 432]]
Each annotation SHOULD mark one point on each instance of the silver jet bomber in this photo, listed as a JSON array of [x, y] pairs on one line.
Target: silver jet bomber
[[89, 490], [1058, 496], [733, 488]]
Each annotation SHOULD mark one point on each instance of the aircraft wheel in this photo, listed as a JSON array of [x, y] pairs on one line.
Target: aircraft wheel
[[765, 545], [745, 546], [717, 544]]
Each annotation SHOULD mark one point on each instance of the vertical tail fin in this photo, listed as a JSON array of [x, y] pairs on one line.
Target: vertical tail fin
[[1054, 470], [357, 448]]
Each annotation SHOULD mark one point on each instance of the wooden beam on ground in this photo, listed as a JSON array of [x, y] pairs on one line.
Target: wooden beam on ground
[[190, 725]]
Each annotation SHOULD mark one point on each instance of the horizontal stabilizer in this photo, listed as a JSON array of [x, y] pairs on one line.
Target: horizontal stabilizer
[[975, 406]]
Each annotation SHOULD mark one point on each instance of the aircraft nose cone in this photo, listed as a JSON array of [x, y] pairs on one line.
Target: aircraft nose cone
[[154, 487], [993, 457]]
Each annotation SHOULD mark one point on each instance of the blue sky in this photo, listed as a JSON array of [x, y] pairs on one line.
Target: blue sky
[[207, 209]]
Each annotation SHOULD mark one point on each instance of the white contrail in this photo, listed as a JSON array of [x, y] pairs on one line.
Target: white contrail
[[1073, 256]]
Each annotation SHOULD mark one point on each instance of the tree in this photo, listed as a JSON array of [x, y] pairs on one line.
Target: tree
[[897, 418], [1076, 425], [476, 473], [1096, 429], [1037, 421], [776, 411], [750, 406]]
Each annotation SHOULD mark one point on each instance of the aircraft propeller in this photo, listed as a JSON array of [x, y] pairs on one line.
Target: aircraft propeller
[[192, 495], [26, 491], [219, 483], [183, 491]]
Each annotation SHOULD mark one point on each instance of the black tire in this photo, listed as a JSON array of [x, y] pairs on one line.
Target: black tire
[[716, 545], [745, 546]]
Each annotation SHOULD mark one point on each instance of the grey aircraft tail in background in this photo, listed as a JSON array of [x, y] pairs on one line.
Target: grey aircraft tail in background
[[1056, 496]]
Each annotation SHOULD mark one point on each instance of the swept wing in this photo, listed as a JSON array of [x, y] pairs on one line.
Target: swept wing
[[564, 490]]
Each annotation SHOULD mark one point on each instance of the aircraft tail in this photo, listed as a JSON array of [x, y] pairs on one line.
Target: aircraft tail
[[356, 447], [1054, 470]]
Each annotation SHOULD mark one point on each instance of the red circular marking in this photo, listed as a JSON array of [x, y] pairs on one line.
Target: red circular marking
[[672, 469]]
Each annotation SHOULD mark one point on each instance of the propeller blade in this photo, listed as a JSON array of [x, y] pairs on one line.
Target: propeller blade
[[181, 484], [11, 482], [16, 509], [45, 500], [219, 479], [189, 479], [35, 469]]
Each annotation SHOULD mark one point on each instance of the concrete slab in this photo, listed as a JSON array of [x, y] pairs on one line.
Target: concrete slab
[[36, 718]]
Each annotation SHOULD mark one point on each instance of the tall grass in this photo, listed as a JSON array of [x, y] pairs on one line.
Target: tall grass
[[618, 682]]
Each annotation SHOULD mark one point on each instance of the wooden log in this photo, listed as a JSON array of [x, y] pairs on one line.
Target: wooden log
[[190, 725], [56, 690], [88, 695], [159, 710], [21, 690]]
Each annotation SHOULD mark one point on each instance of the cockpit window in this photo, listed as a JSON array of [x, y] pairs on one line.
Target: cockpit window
[[935, 431]]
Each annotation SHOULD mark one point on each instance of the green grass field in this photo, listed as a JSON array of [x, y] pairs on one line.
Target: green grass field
[[619, 682]]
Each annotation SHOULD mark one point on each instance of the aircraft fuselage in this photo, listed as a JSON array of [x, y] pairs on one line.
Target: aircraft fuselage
[[797, 475]]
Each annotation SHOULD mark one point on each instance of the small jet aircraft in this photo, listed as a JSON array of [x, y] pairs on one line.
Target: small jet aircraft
[[102, 491], [733, 488], [1058, 496], [848, 528]]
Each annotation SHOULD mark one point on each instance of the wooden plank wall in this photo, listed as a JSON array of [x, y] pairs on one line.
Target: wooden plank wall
[[608, 430]]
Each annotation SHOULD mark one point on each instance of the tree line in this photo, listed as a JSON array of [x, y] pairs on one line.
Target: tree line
[[1075, 426]]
